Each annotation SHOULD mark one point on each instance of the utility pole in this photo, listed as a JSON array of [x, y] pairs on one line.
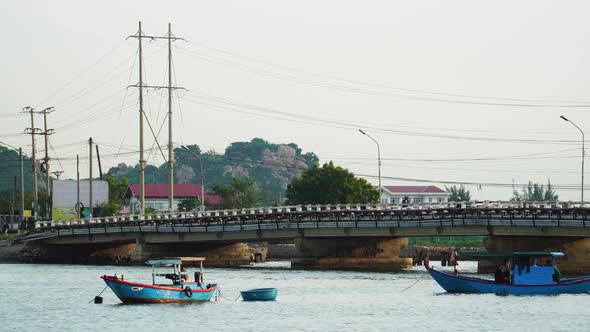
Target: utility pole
[[33, 131], [90, 171], [170, 145], [46, 133], [141, 85], [99, 165], [22, 186], [78, 205], [57, 174]]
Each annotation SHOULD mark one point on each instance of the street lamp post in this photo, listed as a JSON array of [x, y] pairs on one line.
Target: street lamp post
[[583, 154], [202, 178], [378, 161]]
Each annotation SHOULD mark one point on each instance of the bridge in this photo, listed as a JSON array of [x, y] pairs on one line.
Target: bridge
[[334, 233]]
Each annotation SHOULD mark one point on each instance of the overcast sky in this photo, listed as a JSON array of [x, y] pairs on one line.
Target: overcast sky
[[429, 80]]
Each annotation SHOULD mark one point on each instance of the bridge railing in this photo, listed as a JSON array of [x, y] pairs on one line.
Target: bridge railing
[[427, 207]]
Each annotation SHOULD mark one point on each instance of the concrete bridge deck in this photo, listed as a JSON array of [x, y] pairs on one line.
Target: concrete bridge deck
[[323, 221]]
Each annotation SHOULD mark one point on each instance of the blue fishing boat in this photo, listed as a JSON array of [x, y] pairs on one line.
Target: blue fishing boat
[[178, 290], [521, 273], [260, 294]]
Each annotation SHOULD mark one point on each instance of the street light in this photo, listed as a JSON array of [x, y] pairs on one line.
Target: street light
[[379, 161], [583, 153], [202, 178]]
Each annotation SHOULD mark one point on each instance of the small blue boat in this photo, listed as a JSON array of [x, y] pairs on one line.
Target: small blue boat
[[260, 294], [523, 274], [181, 289]]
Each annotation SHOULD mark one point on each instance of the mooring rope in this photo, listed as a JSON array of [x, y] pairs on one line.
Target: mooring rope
[[105, 287], [225, 298], [415, 282]]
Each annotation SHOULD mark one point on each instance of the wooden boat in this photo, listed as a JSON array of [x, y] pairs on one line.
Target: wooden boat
[[179, 289], [528, 273], [260, 294]]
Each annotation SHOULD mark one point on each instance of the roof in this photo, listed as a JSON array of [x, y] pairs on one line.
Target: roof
[[173, 260], [497, 255], [415, 189], [180, 191]]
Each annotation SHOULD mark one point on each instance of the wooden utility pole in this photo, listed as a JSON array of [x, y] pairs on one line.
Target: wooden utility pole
[[78, 204], [33, 131], [46, 133], [90, 171], [22, 186], [99, 165]]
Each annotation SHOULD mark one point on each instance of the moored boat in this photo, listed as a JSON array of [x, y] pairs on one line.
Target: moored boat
[[260, 294], [521, 273], [180, 288]]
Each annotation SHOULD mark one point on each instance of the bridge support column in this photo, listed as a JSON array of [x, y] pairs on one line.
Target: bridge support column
[[370, 254], [221, 255], [577, 250]]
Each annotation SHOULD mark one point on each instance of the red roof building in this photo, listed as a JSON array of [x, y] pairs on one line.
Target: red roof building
[[156, 195], [414, 194]]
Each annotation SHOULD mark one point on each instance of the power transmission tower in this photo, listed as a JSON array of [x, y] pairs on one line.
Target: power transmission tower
[[170, 88]]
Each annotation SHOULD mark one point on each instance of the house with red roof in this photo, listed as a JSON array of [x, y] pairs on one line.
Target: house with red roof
[[156, 196], [414, 194]]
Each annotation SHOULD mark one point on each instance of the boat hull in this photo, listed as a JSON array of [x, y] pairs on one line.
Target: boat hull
[[462, 284], [260, 294], [133, 292]]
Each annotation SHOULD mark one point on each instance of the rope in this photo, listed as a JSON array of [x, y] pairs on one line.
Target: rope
[[415, 282], [105, 287], [225, 298]]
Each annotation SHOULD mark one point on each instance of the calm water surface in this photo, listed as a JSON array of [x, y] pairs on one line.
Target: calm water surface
[[56, 298]]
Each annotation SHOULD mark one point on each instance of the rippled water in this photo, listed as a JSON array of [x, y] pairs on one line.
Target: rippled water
[[56, 298]]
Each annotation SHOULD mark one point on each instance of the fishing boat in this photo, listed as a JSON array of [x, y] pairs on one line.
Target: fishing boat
[[521, 273], [177, 289]]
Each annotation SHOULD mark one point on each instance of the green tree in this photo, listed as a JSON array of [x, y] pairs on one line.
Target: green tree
[[241, 193], [458, 194], [189, 204], [330, 185], [536, 192]]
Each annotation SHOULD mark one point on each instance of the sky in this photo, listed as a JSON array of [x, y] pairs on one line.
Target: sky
[[454, 92]]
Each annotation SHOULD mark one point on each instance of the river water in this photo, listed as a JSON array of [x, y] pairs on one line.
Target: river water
[[56, 298]]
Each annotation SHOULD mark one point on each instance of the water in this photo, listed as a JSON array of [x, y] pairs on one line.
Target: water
[[56, 298]]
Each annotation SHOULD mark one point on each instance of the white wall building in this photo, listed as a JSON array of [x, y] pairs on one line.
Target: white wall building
[[414, 194]]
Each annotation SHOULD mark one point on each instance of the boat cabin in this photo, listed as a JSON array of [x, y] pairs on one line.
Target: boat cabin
[[535, 268], [179, 275]]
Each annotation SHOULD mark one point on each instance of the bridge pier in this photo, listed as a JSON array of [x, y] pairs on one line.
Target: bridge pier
[[219, 255], [577, 250], [370, 254]]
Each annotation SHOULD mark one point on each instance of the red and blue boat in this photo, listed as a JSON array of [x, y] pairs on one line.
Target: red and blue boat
[[521, 273], [179, 289]]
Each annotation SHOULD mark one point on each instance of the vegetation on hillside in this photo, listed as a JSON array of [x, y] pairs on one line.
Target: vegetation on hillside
[[271, 166]]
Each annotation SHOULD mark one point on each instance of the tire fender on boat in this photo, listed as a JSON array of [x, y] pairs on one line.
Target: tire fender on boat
[[188, 291]]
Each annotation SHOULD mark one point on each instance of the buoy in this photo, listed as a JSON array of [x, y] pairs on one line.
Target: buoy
[[97, 299]]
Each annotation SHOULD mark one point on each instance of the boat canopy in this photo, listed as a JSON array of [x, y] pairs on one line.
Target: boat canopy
[[500, 255], [170, 261]]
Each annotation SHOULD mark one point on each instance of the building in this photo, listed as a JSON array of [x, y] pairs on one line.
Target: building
[[65, 195], [414, 194], [156, 196]]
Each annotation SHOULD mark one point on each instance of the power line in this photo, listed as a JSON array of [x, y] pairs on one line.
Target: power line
[[382, 85], [309, 82]]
